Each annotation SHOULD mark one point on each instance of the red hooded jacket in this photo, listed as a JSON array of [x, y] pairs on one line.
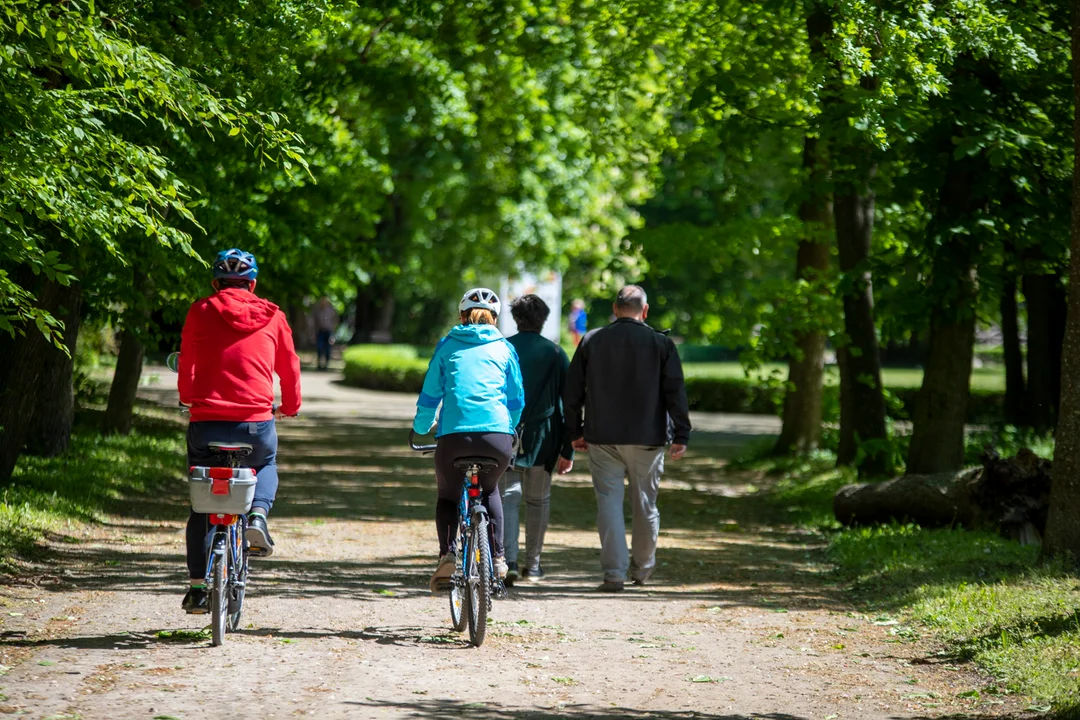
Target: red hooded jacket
[[232, 344]]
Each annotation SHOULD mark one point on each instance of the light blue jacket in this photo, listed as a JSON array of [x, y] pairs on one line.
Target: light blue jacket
[[475, 375]]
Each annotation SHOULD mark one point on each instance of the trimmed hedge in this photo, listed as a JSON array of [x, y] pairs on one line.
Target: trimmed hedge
[[400, 368], [385, 367]]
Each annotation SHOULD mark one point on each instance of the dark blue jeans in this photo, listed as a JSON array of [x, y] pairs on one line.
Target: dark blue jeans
[[262, 436], [322, 346]]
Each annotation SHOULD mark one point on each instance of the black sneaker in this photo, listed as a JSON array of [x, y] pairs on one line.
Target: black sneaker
[[611, 586], [195, 602], [511, 574], [260, 544], [533, 576]]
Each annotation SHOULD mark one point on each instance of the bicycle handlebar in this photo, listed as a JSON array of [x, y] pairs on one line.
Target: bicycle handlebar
[[419, 448]]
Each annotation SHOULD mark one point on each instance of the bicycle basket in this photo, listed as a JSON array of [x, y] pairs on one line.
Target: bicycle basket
[[227, 491]]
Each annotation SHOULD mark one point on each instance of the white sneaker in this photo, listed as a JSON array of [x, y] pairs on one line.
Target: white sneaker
[[501, 568], [443, 572]]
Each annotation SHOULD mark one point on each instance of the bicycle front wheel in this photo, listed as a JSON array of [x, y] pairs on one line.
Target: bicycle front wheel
[[219, 595], [479, 580]]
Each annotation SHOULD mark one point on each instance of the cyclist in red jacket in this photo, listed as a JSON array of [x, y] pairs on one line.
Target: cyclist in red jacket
[[232, 344]]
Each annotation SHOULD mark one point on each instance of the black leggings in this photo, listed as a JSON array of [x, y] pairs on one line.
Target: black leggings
[[496, 446]]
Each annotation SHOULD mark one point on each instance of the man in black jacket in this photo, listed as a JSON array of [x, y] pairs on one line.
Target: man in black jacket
[[628, 379]]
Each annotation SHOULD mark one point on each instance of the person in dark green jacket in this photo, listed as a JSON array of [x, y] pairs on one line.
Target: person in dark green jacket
[[544, 447]]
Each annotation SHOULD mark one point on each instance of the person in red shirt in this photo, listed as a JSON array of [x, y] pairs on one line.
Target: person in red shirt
[[232, 344]]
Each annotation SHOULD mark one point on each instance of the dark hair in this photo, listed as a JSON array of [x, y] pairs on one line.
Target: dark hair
[[632, 297], [232, 283], [530, 313]]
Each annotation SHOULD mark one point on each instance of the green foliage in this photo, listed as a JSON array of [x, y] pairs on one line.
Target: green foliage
[[90, 112]]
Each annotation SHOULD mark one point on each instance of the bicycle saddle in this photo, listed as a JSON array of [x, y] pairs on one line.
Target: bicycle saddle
[[485, 463], [223, 447]]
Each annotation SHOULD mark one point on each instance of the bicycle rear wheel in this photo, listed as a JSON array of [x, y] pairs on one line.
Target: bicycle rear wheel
[[459, 603], [219, 593], [238, 586], [459, 585], [479, 579]]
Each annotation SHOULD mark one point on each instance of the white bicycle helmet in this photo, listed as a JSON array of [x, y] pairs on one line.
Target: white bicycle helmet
[[480, 298]]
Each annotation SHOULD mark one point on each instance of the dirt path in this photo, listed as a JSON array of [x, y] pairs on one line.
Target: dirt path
[[740, 623]]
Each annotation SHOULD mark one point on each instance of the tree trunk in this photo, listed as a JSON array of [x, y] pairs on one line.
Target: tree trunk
[[848, 450], [1044, 298], [20, 380], [125, 384], [1062, 529], [801, 430], [49, 431], [853, 211], [1015, 392], [937, 440]]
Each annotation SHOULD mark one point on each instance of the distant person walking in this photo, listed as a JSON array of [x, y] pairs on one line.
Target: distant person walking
[[326, 323], [628, 379], [579, 321], [544, 366]]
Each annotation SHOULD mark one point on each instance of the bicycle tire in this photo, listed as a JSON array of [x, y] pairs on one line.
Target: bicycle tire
[[238, 588], [219, 595], [459, 605], [479, 581]]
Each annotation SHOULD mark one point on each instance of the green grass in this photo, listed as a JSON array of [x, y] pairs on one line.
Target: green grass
[[982, 598], [96, 475]]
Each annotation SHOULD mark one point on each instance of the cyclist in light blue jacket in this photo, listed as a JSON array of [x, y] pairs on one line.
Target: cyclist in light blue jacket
[[474, 375]]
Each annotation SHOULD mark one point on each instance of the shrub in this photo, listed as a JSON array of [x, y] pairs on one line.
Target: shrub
[[385, 367]]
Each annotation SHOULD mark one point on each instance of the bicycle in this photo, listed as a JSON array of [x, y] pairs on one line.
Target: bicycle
[[474, 583], [212, 493], [225, 495]]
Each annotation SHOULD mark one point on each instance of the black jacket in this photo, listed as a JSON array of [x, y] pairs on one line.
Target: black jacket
[[628, 379]]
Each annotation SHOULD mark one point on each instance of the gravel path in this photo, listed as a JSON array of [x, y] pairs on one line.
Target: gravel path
[[741, 621]]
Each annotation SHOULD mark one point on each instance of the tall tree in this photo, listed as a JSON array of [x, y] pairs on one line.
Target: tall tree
[[1062, 530]]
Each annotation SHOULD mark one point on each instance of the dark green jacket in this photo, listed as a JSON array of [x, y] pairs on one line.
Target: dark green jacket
[[543, 371]]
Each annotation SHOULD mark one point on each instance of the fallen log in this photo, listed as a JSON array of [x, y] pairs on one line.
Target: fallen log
[[1007, 495]]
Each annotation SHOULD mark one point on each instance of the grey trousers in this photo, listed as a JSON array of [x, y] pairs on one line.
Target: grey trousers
[[534, 483], [643, 466]]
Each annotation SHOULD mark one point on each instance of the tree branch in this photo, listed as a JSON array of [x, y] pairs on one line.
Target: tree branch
[[374, 34]]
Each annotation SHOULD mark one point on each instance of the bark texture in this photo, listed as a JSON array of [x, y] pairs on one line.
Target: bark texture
[[801, 430], [860, 373], [1015, 390], [1063, 529], [125, 384], [1046, 304], [20, 372], [49, 429], [1008, 495], [937, 440]]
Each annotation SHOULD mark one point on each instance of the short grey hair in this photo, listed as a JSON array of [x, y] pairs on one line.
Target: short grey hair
[[631, 297]]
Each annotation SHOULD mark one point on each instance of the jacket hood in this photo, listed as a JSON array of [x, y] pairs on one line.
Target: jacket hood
[[476, 334], [242, 309]]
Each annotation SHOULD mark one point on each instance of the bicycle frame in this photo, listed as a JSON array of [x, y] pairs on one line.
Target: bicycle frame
[[228, 544]]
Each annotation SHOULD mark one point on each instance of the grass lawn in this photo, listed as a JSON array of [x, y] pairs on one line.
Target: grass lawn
[[96, 474], [987, 379], [982, 598]]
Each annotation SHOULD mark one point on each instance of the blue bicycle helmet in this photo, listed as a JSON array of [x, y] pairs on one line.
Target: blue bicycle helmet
[[235, 264]]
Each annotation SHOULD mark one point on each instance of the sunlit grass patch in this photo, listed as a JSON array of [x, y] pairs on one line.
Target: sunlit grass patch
[[982, 596], [96, 475]]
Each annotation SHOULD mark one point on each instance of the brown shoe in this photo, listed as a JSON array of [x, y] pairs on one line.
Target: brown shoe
[[440, 579]]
